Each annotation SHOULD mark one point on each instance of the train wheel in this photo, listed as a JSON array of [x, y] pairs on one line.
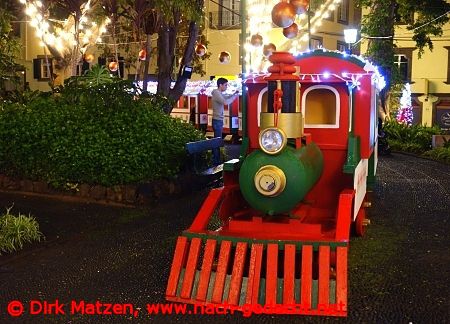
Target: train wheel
[[361, 222]]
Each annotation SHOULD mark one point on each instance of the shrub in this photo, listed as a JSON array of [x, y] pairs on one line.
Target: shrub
[[92, 134], [15, 231], [415, 138], [440, 154]]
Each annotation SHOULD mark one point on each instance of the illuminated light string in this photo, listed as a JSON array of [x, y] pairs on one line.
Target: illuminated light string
[[65, 38], [198, 87], [323, 13], [260, 23], [405, 112], [377, 77]]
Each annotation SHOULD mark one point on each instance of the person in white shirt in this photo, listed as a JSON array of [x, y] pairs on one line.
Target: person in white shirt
[[218, 101]]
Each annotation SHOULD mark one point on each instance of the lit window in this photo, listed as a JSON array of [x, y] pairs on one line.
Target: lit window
[[342, 15], [45, 69], [229, 13], [402, 63], [321, 107], [316, 42], [42, 68], [341, 46]]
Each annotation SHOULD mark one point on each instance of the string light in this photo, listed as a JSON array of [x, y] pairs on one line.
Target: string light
[[259, 22], [64, 39], [405, 112]]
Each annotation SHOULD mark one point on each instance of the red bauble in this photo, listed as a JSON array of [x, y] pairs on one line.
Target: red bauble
[[113, 66], [301, 6], [269, 49], [224, 57], [142, 54], [200, 49], [256, 40], [291, 31], [283, 14]]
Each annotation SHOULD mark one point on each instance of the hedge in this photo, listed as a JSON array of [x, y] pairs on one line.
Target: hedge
[[96, 135]]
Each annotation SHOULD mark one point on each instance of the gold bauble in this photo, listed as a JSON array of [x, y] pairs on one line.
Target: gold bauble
[[200, 49], [283, 14], [224, 57], [291, 31], [113, 66], [89, 58], [301, 6], [256, 40], [269, 49]]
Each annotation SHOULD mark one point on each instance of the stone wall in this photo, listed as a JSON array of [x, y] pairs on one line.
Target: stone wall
[[133, 194]]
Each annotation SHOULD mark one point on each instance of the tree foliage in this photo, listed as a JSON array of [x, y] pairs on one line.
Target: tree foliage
[[9, 49], [423, 18]]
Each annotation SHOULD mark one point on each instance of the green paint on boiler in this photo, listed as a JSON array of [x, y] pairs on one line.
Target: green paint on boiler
[[302, 168]]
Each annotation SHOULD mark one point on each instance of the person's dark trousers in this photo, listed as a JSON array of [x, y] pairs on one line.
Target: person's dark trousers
[[217, 127]]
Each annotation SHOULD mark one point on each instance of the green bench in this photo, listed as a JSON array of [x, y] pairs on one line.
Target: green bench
[[198, 165]]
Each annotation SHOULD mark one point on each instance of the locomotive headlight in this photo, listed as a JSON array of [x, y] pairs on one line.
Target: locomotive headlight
[[272, 140]]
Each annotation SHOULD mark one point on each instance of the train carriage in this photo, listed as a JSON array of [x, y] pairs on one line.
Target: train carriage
[[288, 203]]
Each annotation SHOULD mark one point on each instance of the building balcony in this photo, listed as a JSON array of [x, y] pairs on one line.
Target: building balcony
[[224, 20]]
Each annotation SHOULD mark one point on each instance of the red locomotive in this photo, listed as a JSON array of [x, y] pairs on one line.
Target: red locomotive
[[288, 203]]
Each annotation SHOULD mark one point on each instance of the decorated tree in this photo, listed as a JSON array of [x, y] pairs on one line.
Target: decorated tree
[[171, 14], [138, 22], [424, 19], [111, 11], [66, 40], [405, 112]]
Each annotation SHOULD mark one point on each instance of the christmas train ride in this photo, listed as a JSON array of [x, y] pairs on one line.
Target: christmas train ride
[[287, 205], [194, 106]]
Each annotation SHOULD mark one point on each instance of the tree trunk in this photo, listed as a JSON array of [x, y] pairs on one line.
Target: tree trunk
[[188, 54], [165, 60], [148, 49], [62, 72]]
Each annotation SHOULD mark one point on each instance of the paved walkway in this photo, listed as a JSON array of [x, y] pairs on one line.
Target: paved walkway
[[398, 273]]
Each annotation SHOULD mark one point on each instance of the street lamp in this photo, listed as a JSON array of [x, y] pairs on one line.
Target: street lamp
[[350, 37]]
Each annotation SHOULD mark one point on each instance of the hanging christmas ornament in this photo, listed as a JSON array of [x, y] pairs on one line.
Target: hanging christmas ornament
[[256, 40], [269, 49], [113, 66], [200, 49], [291, 31], [89, 58], [301, 6], [283, 14], [224, 57], [142, 54]]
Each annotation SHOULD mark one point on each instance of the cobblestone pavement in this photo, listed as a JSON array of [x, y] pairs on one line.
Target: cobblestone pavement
[[398, 273]]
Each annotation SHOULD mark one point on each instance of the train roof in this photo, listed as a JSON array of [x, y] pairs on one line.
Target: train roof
[[323, 66]]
